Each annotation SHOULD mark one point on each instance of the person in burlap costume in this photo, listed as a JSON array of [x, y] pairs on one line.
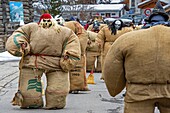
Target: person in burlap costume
[[96, 26], [46, 48], [78, 80], [93, 51], [140, 61], [107, 35]]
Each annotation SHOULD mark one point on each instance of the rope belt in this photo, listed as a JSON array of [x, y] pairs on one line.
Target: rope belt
[[39, 55], [163, 83]]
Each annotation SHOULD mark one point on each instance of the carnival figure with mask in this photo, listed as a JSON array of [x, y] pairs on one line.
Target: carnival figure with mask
[[46, 48], [140, 61], [107, 35]]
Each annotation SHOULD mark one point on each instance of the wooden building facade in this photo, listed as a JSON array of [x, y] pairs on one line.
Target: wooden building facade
[[6, 26], [150, 4]]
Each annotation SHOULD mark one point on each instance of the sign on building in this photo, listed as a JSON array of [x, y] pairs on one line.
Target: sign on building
[[16, 11]]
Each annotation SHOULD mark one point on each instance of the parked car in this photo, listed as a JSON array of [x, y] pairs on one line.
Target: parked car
[[109, 20], [126, 21], [136, 18]]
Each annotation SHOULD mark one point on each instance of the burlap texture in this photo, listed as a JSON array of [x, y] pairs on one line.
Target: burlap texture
[[92, 45], [92, 58], [90, 62], [13, 44], [78, 76], [93, 53], [92, 35], [140, 58], [79, 30], [105, 39], [148, 106], [55, 102], [47, 47], [91, 27], [31, 88], [83, 38], [58, 87]]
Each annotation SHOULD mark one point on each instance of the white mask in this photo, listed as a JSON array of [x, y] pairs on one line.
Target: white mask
[[46, 23], [117, 24]]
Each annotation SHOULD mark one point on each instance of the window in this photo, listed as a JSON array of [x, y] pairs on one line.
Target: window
[[133, 3], [107, 14], [102, 14]]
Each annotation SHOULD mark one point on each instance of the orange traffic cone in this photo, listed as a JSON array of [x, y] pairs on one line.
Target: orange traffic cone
[[90, 78]]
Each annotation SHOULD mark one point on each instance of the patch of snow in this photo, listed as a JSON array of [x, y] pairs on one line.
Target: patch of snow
[[6, 56]]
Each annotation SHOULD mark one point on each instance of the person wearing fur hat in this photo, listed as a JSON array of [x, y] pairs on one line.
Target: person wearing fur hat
[[107, 35], [46, 48], [140, 61]]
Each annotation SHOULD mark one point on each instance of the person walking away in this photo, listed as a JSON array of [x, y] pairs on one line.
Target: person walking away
[[107, 35], [93, 52], [139, 61]]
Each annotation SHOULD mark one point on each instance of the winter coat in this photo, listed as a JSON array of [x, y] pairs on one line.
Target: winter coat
[[140, 59]]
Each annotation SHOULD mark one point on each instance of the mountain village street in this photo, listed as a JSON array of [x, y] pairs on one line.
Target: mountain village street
[[97, 100]]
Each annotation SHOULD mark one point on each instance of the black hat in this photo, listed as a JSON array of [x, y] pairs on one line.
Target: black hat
[[158, 10]]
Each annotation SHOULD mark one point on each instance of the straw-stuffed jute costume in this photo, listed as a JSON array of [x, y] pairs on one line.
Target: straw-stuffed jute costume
[[106, 38], [140, 61], [50, 49], [78, 81]]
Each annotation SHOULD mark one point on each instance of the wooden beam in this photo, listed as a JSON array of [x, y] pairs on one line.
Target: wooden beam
[[150, 4]]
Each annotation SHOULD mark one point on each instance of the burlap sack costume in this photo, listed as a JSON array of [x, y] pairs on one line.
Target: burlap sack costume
[[90, 28], [141, 60], [93, 53], [105, 39], [45, 53], [78, 80]]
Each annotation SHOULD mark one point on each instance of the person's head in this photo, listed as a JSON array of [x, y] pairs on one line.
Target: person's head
[[96, 26], [115, 25], [45, 20], [158, 14], [118, 24], [60, 20]]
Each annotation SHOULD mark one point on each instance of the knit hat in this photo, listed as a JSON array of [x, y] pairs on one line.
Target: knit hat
[[158, 10]]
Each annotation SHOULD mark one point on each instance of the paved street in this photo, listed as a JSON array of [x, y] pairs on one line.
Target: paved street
[[97, 100]]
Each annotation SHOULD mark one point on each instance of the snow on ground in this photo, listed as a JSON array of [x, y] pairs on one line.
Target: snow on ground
[[6, 56]]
